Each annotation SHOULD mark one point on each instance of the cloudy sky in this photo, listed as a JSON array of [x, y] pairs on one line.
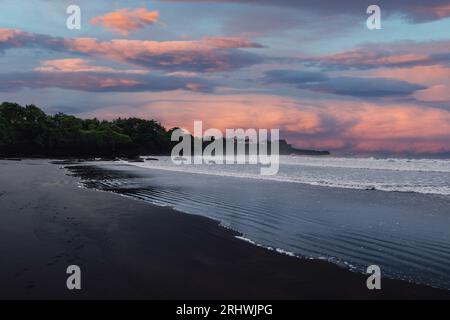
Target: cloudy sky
[[310, 68]]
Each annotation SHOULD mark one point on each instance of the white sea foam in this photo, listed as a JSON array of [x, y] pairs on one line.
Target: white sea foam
[[394, 164], [407, 234], [426, 176]]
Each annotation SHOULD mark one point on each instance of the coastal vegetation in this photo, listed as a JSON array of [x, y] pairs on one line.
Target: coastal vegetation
[[28, 131]]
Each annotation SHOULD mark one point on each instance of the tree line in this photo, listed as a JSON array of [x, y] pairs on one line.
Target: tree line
[[28, 131]]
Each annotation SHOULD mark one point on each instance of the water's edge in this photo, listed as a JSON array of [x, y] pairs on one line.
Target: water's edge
[[241, 236]]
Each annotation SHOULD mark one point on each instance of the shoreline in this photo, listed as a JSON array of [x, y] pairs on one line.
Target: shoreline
[[324, 215], [132, 249]]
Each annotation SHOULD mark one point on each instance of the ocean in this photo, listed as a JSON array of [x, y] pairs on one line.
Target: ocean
[[351, 211]]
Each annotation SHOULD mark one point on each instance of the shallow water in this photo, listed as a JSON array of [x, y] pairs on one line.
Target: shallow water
[[429, 176], [406, 233]]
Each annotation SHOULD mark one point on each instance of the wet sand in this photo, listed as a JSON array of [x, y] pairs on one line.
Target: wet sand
[[128, 249]]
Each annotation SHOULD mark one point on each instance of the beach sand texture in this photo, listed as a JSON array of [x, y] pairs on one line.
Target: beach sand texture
[[131, 249]]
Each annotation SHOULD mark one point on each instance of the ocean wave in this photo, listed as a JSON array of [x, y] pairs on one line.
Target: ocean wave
[[424, 176]]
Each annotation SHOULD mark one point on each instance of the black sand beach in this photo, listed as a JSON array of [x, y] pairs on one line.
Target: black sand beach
[[130, 249]]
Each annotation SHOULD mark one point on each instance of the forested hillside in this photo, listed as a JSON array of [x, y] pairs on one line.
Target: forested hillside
[[28, 131]]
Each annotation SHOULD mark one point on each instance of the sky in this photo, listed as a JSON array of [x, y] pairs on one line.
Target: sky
[[309, 68]]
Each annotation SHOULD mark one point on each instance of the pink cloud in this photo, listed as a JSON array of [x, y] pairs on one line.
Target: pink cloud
[[8, 34], [381, 55], [124, 21], [435, 77], [437, 93], [325, 124], [209, 54], [374, 59], [420, 74], [80, 65], [135, 47]]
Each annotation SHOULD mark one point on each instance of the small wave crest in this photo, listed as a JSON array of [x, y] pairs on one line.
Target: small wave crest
[[424, 176]]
